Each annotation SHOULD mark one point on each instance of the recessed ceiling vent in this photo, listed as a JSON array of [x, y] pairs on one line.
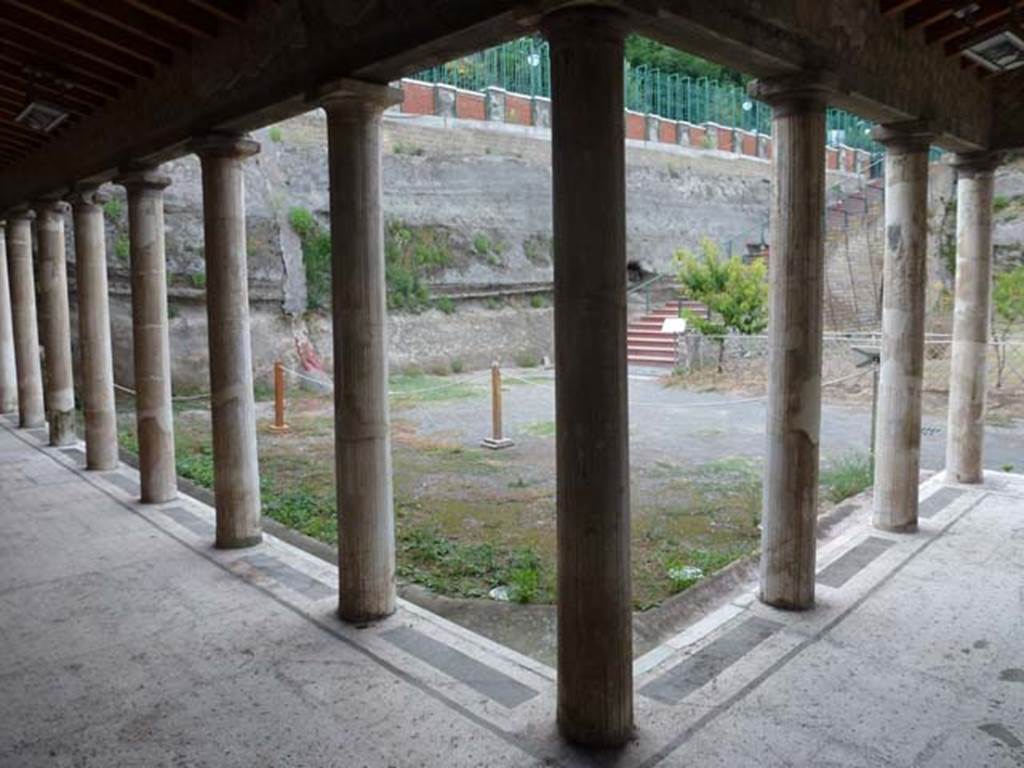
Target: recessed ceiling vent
[[41, 117], [1000, 52]]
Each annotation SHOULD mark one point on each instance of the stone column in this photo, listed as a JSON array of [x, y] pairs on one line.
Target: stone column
[[366, 523], [97, 371], [8, 369], [971, 311], [595, 642], [53, 292], [150, 342], [905, 276], [796, 269], [236, 476], [31, 412]]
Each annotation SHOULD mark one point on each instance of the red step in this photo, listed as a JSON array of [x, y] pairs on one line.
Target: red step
[[647, 345]]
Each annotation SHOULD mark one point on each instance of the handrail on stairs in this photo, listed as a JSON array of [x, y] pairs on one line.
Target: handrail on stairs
[[645, 286]]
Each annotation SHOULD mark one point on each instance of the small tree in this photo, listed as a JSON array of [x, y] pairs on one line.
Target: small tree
[[735, 293], [1008, 298]]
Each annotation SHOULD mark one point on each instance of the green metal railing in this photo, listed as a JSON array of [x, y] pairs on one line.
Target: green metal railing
[[524, 66]]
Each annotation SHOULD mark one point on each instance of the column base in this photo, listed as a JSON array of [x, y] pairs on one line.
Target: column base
[[363, 619], [158, 498], [62, 428], [786, 605], [595, 738], [971, 479], [238, 543], [31, 422], [910, 527], [496, 444]]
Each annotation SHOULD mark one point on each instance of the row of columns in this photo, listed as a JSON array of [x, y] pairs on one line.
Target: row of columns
[[595, 686]]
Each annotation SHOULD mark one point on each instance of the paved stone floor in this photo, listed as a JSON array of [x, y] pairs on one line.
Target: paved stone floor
[[127, 640]]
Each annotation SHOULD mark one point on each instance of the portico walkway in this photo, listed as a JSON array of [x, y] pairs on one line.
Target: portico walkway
[[127, 639]]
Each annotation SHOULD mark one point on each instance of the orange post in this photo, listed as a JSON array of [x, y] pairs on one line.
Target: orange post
[[278, 425], [496, 440]]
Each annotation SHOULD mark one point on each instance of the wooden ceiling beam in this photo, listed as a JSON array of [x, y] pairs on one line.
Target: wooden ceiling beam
[[230, 11], [149, 28], [97, 29], [7, 118], [15, 141], [958, 43], [892, 7], [953, 27], [19, 56], [181, 14], [49, 56], [929, 12], [16, 87], [75, 44]]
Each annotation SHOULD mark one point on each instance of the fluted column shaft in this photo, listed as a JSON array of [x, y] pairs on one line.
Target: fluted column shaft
[[366, 522], [150, 342], [53, 292], [97, 370], [236, 479], [8, 366], [595, 642], [796, 265], [31, 412], [905, 276], [971, 317]]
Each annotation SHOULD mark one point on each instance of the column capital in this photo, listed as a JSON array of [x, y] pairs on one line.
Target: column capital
[[21, 213], [50, 206], [585, 23], [142, 177], [224, 145], [976, 163], [356, 95], [797, 92], [905, 136], [86, 195]]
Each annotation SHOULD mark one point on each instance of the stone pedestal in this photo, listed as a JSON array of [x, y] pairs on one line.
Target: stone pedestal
[[56, 325], [24, 323], [796, 269], [150, 342], [971, 311], [905, 275], [97, 372], [595, 643], [236, 476], [366, 525]]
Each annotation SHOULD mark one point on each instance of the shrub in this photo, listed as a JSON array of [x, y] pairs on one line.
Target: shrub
[[457, 366], [735, 293], [446, 305], [275, 135], [122, 247], [113, 209], [316, 256], [537, 301], [198, 279]]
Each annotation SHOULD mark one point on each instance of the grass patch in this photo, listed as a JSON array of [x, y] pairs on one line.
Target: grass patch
[[428, 388], [412, 254], [846, 476], [544, 429]]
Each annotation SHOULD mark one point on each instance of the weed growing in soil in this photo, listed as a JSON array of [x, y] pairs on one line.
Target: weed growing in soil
[[846, 476]]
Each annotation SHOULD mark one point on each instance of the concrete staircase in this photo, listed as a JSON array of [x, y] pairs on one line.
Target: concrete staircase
[[647, 345]]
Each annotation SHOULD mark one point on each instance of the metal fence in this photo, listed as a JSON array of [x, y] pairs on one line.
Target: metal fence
[[524, 66], [742, 361]]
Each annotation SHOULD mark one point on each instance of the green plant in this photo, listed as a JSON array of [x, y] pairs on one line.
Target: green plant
[[172, 311], [113, 209], [481, 244], [537, 249], [527, 360], [275, 134], [408, 149], [493, 302], [1007, 467], [846, 476], [316, 256], [457, 366], [524, 577], [538, 301], [445, 304], [1008, 303], [410, 255], [198, 279], [708, 141], [1001, 203], [736, 294], [122, 247]]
